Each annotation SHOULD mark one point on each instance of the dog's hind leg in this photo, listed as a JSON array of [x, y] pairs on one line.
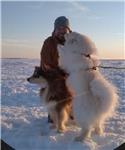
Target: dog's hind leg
[[62, 118], [85, 133], [99, 127]]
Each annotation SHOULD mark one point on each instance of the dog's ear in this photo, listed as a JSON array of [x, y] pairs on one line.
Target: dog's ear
[[37, 71]]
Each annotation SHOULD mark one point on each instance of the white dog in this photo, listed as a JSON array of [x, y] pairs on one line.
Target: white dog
[[95, 98]]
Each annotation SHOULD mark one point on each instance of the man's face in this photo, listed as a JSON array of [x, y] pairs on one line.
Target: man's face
[[60, 32]]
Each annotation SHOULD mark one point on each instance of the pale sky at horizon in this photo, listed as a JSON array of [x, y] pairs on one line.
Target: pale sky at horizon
[[25, 25]]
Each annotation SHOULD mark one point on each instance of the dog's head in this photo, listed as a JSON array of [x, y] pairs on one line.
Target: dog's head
[[36, 78], [40, 76], [76, 52], [76, 42]]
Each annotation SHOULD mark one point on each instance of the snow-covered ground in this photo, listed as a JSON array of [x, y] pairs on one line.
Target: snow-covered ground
[[24, 119]]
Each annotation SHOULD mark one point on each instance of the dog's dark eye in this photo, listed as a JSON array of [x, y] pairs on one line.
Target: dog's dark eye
[[73, 41]]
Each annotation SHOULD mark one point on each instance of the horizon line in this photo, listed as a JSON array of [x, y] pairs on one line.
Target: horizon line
[[39, 58]]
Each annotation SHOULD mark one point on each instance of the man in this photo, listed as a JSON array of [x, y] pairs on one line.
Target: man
[[49, 53]]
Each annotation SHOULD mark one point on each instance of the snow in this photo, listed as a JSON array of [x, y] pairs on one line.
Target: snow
[[24, 118]]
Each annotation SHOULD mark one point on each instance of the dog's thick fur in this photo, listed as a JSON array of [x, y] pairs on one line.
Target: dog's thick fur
[[58, 97], [96, 98]]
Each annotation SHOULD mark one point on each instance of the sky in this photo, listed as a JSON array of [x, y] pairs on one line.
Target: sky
[[25, 25]]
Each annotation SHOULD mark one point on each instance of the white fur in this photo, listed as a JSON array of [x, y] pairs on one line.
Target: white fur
[[96, 98]]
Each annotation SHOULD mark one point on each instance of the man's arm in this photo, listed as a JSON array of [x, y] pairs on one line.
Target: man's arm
[[49, 55], [45, 55]]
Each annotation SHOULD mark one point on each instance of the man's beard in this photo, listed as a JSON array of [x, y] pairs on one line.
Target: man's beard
[[61, 40]]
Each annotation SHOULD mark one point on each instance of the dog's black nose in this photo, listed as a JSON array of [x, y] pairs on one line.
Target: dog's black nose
[[28, 79]]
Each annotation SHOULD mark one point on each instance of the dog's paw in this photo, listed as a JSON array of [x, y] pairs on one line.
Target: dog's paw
[[61, 130], [98, 131]]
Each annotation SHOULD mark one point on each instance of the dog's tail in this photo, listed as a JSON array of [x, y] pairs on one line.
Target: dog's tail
[[106, 94]]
